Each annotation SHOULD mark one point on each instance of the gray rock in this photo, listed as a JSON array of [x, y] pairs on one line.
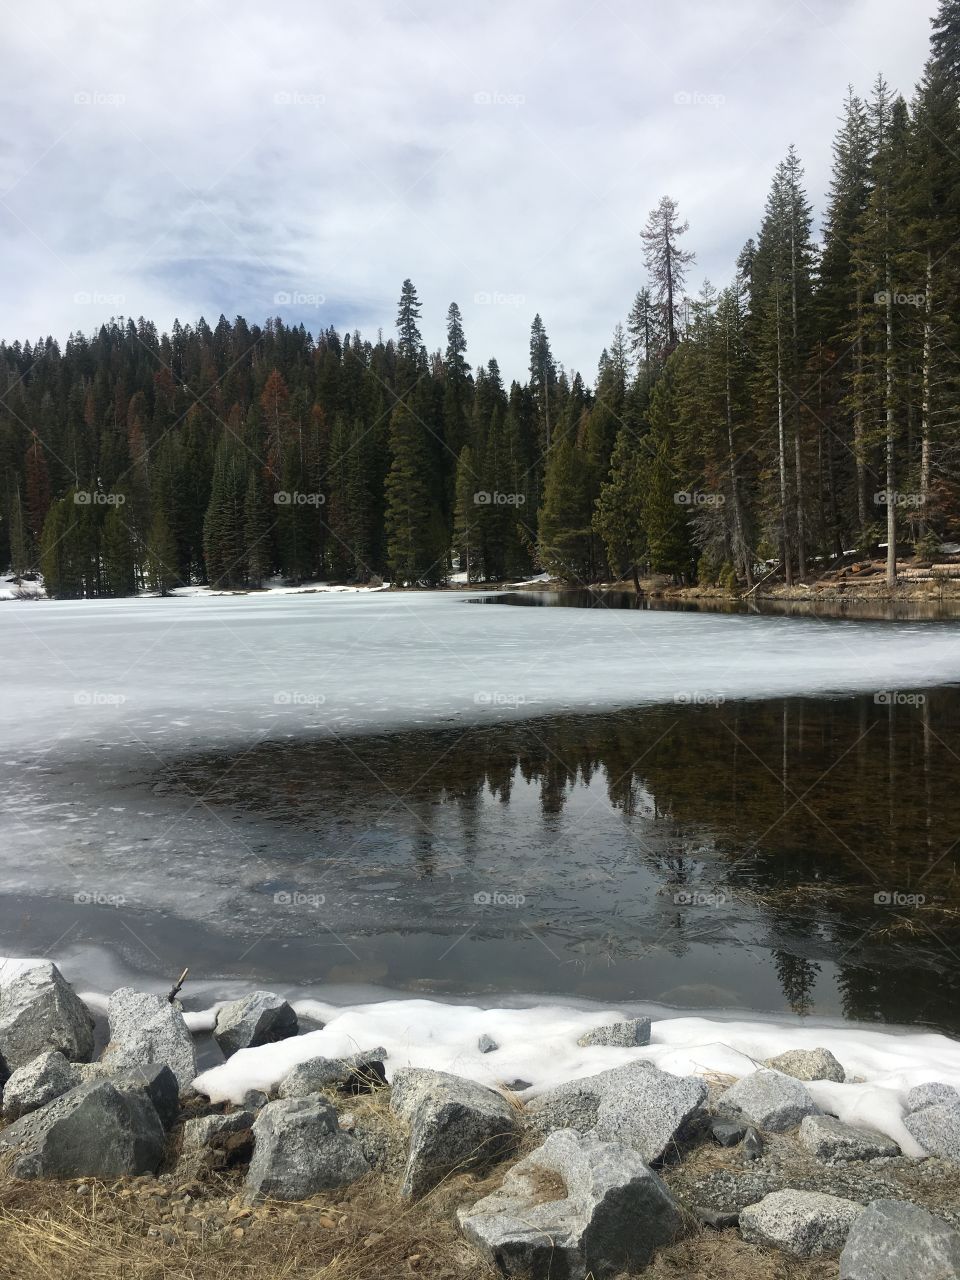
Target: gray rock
[[636, 1104], [147, 1029], [714, 1218], [254, 1099], [454, 1123], [732, 1133], [154, 1078], [937, 1129], [805, 1224], [199, 1133], [808, 1064], [487, 1044], [574, 1207], [40, 1011], [299, 1150], [728, 1133], [770, 1099], [828, 1139], [38, 1083], [927, 1095], [157, 1081], [258, 1018], [894, 1240], [95, 1130], [214, 1142], [728, 1190], [359, 1073], [622, 1035], [751, 1148]]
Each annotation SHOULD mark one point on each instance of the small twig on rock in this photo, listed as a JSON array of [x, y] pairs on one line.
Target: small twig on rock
[[175, 989]]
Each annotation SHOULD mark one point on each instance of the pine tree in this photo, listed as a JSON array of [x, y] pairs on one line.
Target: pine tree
[[618, 518], [730, 369], [408, 314], [664, 512], [54, 553], [117, 552], [879, 252], [929, 196], [224, 540], [70, 548], [667, 264], [781, 307], [644, 325], [456, 387], [161, 555], [945, 39], [37, 487], [543, 377], [298, 519], [257, 529], [565, 542], [275, 405], [840, 306], [466, 516], [415, 535], [18, 534]]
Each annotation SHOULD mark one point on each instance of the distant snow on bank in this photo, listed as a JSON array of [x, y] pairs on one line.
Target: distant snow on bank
[[12, 589], [275, 587], [539, 1045], [23, 589]]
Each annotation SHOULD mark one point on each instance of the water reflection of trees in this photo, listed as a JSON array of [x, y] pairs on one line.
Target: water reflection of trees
[[848, 796]]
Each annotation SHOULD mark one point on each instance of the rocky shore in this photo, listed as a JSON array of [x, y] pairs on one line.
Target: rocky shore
[[626, 1170]]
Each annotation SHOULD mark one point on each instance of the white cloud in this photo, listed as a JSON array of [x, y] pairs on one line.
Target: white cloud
[[195, 158]]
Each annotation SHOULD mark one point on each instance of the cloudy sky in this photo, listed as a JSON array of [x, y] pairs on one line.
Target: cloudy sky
[[192, 158]]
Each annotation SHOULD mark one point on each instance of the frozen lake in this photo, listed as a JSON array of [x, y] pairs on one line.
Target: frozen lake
[[203, 670], [415, 792]]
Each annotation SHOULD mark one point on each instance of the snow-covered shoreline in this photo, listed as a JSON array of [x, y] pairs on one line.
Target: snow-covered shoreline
[[537, 1042], [539, 1045]]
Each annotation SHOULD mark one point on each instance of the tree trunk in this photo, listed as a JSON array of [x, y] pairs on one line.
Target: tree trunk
[[891, 423], [742, 550], [925, 409], [801, 552], [781, 427], [671, 333], [795, 369], [858, 448]]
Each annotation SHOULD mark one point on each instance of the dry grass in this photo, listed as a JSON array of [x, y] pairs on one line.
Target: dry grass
[[722, 1255], [48, 1232], [194, 1226], [362, 1234]]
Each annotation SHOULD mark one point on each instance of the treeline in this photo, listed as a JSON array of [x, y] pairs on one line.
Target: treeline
[[809, 409]]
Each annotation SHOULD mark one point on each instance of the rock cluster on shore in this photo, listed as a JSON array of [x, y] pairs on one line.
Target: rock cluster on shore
[[599, 1174]]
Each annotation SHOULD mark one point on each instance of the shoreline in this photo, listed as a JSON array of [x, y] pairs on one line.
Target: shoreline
[[367, 1140]]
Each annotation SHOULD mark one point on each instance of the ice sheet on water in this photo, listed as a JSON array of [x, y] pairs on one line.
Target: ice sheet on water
[[208, 670]]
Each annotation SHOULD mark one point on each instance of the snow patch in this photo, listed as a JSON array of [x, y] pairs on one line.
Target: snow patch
[[539, 1045]]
